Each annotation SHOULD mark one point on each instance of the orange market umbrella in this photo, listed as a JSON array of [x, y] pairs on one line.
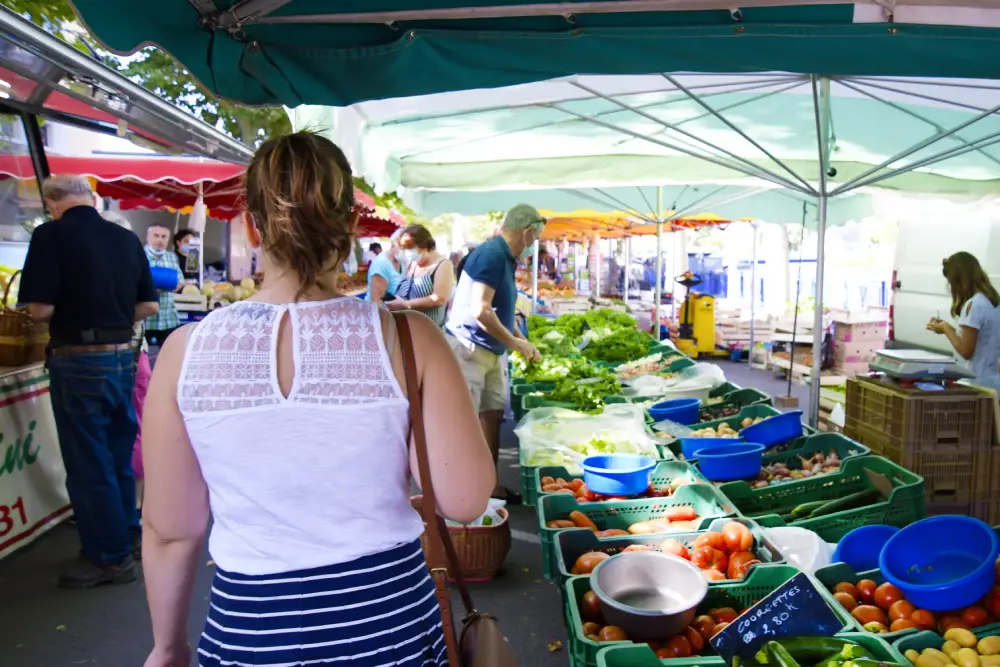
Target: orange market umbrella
[[584, 223]]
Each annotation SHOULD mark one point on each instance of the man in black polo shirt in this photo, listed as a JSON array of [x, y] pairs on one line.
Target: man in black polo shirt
[[90, 279]]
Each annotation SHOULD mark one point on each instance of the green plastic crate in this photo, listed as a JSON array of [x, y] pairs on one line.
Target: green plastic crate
[[570, 544], [640, 655], [749, 412], [519, 391], [661, 475], [905, 504], [760, 582], [929, 639], [736, 399], [821, 442], [707, 502], [723, 389]]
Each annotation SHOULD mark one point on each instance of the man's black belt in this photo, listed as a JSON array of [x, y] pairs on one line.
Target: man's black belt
[[112, 336]]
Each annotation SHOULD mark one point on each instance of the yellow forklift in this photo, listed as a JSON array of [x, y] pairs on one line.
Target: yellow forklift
[[696, 330]]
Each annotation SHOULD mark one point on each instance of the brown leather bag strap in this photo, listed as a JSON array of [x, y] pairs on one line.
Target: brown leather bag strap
[[437, 530]]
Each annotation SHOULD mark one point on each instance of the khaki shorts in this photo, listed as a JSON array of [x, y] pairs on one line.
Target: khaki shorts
[[485, 373]]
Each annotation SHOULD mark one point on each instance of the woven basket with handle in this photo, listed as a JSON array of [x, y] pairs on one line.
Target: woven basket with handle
[[481, 549], [17, 331]]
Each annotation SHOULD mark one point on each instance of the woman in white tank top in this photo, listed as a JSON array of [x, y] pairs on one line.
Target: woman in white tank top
[[285, 418]]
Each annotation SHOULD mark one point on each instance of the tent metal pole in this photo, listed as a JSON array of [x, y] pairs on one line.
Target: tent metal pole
[[628, 267], [753, 294], [725, 121], [534, 279], [821, 105], [763, 175], [658, 290]]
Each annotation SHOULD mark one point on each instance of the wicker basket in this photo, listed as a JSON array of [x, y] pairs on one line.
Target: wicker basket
[[17, 330], [481, 549]]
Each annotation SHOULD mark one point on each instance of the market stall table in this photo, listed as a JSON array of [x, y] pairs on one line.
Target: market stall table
[[33, 496]]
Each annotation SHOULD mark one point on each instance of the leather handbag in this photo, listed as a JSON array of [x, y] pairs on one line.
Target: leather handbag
[[479, 642]]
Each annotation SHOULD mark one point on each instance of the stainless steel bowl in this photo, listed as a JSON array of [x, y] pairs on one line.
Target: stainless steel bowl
[[648, 594]]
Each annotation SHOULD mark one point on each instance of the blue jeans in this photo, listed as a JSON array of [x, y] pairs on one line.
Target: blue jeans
[[95, 419]]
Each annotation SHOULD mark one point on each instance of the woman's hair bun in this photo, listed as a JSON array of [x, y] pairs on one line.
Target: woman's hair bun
[[300, 191]]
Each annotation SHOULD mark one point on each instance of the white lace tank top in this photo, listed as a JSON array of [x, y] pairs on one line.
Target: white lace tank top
[[318, 478]]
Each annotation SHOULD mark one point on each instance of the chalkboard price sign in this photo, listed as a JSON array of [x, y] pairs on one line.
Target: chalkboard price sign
[[794, 609]]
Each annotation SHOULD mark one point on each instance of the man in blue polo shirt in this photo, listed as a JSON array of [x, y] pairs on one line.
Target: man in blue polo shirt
[[481, 326]]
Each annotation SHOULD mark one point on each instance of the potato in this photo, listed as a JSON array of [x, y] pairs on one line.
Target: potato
[[950, 646], [928, 660], [964, 637], [989, 645], [966, 657], [989, 661], [912, 655], [940, 655]]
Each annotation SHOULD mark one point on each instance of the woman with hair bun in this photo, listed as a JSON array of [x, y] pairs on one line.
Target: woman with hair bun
[[287, 416], [430, 277]]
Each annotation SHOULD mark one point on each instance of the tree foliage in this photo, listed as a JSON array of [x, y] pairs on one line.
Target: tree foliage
[[160, 73]]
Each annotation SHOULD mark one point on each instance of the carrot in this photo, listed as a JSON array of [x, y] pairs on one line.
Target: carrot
[[680, 514], [582, 520]]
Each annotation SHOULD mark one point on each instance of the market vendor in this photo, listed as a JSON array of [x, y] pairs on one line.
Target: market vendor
[[167, 319], [182, 248], [975, 303], [90, 279], [481, 324], [386, 272]]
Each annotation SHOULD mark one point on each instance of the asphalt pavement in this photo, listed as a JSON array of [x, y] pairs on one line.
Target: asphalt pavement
[[44, 626]]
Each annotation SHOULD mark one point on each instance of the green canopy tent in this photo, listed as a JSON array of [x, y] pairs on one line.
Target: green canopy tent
[[339, 52], [758, 145]]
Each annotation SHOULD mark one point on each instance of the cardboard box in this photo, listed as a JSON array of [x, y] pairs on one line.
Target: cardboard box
[[851, 332]]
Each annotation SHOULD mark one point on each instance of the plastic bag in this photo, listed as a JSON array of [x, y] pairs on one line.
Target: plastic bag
[[693, 378], [560, 437], [490, 517], [802, 548]]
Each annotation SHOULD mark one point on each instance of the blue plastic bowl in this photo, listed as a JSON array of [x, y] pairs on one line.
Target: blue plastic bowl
[[740, 460], [690, 446], [775, 430], [164, 278], [681, 410], [617, 474], [942, 563], [861, 547]]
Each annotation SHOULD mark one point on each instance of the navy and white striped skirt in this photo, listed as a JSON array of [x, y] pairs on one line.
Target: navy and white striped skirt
[[373, 611]]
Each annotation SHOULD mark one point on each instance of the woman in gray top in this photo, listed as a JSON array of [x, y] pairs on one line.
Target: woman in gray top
[[429, 279]]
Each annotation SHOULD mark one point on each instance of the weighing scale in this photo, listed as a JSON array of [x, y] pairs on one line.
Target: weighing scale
[[919, 365]]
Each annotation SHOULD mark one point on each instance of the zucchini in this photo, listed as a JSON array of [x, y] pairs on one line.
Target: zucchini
[[813, 649], [779, 656], [805, 509], [870, 662], [849, 502], [788, 518]]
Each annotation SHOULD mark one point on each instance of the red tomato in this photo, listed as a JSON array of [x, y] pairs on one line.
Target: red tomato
[[738, 537], [654, 644], [709, 558], [739, 563], [680, 646], [720, 627], [901, 609], [695, 639], [924, 619], [886, 595], [710, 539], [586, 563], [846, 600], [975, 617], [866, 591], [901, 624], [590, 628], [722, 615], [612, 633], [993, 602], [867, 613], [849, 588], [590, 608], [675, 548], [705, 625], [545, 481], [713, 575]]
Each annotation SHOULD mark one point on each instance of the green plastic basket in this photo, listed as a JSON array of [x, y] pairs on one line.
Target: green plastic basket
[[519, 391], [662, 475], [640, 655], [929, 639], [735, 399], [760, 582], [821, 442], [570, 544], [749, 412], [767, 506], [707, 502], [834, 573]]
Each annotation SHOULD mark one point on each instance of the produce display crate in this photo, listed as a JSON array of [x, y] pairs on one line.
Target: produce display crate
[[735, 399], [706, 500], [904, 505], [522, 389], [640, 655], [845, 448], [760, 582], [833, 574], [662, 475], [573, 543], [946, 437], [750, 411]]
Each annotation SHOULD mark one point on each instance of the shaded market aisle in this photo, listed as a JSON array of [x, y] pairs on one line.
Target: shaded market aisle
[[43, 626]]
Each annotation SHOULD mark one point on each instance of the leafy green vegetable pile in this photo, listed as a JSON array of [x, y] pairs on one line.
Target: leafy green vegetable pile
[[617, 345], [587, 395]]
